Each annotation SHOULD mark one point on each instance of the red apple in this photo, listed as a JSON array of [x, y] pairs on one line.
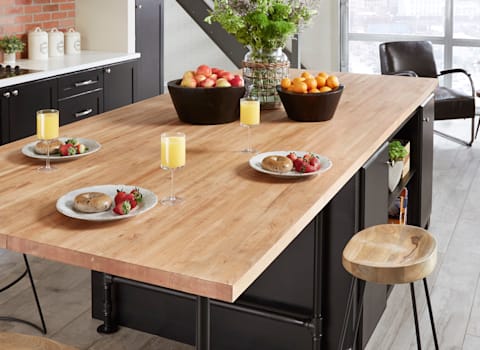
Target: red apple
[[227, 75], [199, 78], [222, 82], [189, 82], [216, 70], [213, 76], [207, 83], [188, 74], [204, 70], [237, 81]]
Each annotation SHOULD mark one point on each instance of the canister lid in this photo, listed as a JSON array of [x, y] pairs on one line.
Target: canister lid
[[71, 32], [55, 32], [37, 32]]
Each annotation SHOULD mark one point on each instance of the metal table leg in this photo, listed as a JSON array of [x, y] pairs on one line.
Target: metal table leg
[[202, 341], [109, 325]]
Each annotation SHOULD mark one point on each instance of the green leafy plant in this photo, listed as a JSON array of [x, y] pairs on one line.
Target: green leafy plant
[[262, 24], [396, 151], [11, 44]]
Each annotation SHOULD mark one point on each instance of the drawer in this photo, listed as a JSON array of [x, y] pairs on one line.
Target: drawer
[[80, 107], [78, 83]]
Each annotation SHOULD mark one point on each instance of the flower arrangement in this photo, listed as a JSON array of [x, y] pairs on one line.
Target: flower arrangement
[[262, 24], [11, 44]]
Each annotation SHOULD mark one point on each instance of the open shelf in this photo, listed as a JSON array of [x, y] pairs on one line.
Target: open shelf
[[403, 182]]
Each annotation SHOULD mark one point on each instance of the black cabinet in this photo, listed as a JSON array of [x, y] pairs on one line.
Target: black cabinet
[[149, 43], [426, 117], [18, 106], [118, 88]]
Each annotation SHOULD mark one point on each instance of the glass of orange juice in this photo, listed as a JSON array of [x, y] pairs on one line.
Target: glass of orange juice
[[173, 154], [47, 130], [249, 117]]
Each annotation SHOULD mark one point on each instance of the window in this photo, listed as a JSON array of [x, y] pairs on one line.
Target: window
[[453, 27]]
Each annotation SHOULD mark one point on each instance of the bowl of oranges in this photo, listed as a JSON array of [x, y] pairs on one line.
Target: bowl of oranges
[[310, 98]]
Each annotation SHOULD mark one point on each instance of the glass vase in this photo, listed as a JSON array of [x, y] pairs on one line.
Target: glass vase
[[263, 70]]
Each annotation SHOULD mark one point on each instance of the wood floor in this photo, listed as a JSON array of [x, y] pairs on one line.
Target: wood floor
[[455, 292]]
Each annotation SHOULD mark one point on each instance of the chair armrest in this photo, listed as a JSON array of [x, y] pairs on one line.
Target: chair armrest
[[459, 70], [405, 73]]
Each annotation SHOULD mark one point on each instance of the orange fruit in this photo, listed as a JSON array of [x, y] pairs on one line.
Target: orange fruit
[[306, 75], [332, 81], [323, 74], [314, 91], [325, 89], [290, 88], [311, 83], [298, 80], [321, 81], [285, 83], [301, 87]]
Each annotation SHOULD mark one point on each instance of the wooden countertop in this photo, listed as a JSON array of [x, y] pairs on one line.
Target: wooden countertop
[[234, 222]]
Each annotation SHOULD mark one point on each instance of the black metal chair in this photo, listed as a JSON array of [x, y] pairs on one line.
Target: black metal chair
[[415, 58], [43, 328]]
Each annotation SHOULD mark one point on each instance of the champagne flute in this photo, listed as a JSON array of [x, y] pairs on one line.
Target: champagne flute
[[249, 117], [173, 154], [47, 130]]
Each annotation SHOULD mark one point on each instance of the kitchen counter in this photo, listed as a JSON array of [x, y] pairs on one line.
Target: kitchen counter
[[55, 66]]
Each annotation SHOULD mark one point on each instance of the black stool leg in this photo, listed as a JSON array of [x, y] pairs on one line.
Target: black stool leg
[[415, 316], [37, 301], [430, 313]]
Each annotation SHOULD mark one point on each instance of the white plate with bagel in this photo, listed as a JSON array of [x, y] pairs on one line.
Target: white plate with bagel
[[284, 169], [30, 149], [100, 208]]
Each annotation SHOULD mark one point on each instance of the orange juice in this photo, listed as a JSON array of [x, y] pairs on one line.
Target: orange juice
[[249, 112], [173, 151], [47, 124]]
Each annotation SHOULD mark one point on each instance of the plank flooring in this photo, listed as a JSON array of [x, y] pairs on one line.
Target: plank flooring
[[454, 285]]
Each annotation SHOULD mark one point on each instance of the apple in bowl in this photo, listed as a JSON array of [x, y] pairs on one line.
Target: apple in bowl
[[207, 77]]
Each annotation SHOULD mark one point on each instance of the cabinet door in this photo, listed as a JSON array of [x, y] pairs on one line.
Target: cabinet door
[[118, 85], [23, 103], [426, 161], [80, 107], [373, 211], [149, 43]]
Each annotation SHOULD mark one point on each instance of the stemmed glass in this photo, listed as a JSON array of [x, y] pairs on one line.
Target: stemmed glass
[[172, 157], [47, 130], [249, 117]]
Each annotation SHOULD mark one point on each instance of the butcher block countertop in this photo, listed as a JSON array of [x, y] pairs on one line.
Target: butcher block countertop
[[234, 222]]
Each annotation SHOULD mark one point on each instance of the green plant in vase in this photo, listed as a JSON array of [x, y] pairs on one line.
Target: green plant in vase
[[263, 26], [10, 45], [396, 151]]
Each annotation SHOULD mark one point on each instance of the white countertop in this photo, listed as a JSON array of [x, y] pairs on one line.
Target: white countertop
[[54, 66]]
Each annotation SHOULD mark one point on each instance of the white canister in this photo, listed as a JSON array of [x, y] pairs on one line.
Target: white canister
[[72, 42], [38, 44], [55, 43]]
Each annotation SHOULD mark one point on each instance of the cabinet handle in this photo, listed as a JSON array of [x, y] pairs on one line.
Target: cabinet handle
[[6, 94], [139, 6], [86, 82], [108, 70], [83, 113], [15, 92], [426, 119]]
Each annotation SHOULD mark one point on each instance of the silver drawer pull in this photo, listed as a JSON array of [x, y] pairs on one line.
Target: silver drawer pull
[[83, 113], [6, 94], [86, 82], [15, 92]]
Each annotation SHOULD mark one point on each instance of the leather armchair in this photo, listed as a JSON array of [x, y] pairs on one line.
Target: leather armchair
[[415, 58]]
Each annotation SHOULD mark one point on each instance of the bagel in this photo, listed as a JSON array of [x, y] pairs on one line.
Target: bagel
[[278, 164], [92, 202], [41, 146]]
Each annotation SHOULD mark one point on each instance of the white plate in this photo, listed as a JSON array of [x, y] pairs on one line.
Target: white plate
[[256, 163], [92, 145], [65, 203]]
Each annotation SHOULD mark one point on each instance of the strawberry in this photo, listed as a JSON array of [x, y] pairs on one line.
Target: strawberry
[[81, 148], [73, 142], [315, 162], [309, 168], [299, 165], [292, 156], [137, 194], [67, 149], [120, 196], [131, 199], [307, 156], [122, 208]]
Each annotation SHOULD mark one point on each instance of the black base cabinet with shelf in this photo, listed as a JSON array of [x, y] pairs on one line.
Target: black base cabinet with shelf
[[299, 301]]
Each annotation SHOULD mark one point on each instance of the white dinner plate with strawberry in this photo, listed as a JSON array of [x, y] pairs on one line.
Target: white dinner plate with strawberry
[[256, 163], [65, 203], [92, 146]]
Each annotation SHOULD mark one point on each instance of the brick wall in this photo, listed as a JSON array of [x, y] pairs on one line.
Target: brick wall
[[21, 16]]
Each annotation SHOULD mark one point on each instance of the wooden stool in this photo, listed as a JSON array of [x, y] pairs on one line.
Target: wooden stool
[[15, 341], [393, 254]]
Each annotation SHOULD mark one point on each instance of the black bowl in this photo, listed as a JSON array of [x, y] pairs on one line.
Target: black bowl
[[199, 105], [310, 107]]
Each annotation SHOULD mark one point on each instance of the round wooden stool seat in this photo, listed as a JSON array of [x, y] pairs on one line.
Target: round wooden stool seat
[[391, 254], [15, 341]]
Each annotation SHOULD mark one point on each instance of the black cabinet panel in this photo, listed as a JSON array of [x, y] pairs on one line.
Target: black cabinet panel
[[19, 105], [78, 83], [80, 107], [118, 85]]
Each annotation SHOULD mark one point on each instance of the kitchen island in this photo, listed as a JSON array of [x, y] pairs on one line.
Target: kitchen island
[[258, 256]]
